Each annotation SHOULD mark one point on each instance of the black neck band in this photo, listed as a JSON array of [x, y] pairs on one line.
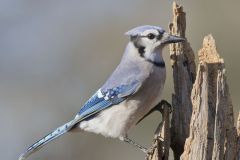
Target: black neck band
[[158, 64]]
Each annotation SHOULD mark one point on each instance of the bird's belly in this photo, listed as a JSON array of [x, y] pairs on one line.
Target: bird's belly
[[113, 122], [117, 120]]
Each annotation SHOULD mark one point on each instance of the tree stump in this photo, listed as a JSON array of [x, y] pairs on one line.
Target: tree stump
[[212, 131], [161, 142], [238, 132], [202, 124], [184, 73]]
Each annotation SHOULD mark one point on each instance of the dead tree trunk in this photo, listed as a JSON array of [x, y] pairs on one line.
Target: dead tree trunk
[[202, 125], [161, 142], [212, 131], [238, 132], [184, 72]]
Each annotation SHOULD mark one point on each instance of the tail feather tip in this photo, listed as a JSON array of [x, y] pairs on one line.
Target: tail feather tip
[[22, 157]]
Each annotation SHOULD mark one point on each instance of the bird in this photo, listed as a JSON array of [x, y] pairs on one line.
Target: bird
[[131, 91]]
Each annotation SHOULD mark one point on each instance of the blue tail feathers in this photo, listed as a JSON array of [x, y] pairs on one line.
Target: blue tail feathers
[[53, 135]]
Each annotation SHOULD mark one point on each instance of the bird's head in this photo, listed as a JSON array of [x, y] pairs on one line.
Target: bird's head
[[151, 37]]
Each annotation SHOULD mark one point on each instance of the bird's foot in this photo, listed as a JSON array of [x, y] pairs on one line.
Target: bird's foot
[[150, 151], [161, 104], [158, 107]]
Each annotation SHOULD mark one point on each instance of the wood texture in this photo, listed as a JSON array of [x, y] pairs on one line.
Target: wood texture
[[202, 124], [212, 132], [238, 133], [184, 72], [161, 142]]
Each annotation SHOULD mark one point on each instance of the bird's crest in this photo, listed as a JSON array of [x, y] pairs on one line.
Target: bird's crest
[[138, 30]]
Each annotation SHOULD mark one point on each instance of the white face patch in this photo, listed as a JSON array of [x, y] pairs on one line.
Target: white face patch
[[150, 39]]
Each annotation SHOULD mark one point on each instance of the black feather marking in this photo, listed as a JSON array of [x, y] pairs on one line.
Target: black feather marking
[[158, 64], [140, 48], [141, 51]]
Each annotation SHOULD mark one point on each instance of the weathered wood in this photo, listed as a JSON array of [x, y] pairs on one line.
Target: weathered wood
[[202, 123], [184, 72], [212, 132], [238, 133], [161, 142], [238, 124]]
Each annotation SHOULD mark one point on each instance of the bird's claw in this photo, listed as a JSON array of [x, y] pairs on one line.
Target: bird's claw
[[150, 151], [161, 105]]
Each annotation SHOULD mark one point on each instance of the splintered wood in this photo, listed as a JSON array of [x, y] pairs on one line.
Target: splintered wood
[[184, 73], [238, 132], [161, 142], [202, 125], [212, 132]]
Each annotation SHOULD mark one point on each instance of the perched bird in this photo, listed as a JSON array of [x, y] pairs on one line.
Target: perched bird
[[132, 90]]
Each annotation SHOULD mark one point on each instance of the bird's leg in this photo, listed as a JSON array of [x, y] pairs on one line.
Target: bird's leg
[[162, 103], [129, 141], [158, 107]]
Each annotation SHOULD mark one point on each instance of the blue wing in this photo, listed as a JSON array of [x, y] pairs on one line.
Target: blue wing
[[105, 98]]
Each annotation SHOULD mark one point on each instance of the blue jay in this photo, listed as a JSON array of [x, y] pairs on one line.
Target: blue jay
[[132, 90]]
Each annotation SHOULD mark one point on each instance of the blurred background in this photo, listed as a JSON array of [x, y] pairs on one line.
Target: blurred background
[[54, 54]]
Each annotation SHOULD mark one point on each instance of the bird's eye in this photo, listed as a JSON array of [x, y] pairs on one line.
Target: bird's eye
[[151, 36]]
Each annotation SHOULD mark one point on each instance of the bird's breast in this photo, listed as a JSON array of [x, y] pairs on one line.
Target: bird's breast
[[150, 93]]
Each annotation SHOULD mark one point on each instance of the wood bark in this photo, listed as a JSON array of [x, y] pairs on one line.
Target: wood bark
[[184, 72], [238, 133], [212, 132], [202, 124], [161, 142]]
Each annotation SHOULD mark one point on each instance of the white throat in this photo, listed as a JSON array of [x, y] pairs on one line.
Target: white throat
[[154, 55], [134, 52]]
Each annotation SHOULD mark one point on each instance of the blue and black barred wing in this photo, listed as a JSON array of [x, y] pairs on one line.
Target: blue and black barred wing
[[103, 99]]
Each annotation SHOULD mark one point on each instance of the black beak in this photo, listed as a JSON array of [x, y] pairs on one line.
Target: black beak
[[172, 39]]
